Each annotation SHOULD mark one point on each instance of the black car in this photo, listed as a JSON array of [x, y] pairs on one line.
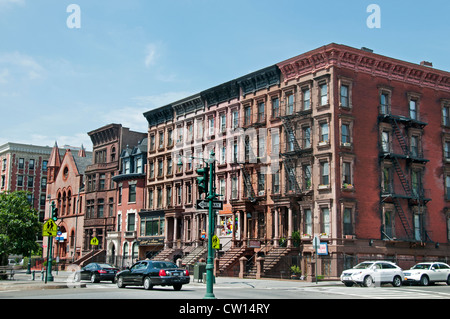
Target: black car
[[149, 273], [96, 272]]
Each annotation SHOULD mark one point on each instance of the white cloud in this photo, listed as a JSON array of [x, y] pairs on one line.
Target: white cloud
[[151, 54], [21, 65], [153, 101], [9, 3]]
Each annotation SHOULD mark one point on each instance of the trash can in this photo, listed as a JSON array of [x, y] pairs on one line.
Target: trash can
[[199, 270]]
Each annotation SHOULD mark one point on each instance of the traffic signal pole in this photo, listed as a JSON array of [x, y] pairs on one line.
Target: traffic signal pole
[[53, 215], [210, 261]]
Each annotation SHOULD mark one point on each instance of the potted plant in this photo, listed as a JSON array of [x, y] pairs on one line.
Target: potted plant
[[296, 272]]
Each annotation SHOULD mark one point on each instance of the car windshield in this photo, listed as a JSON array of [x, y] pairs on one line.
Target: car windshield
[[363, 266], [421, 266], [163, 264], [105, 266]]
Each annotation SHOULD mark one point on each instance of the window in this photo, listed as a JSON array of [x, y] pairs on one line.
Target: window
[[414, 146], [275, 141], [169, 137], [261, 112], [132, 193], [169, 196], [188, 193], [159, 197], [119, 200], [100, 207], [323, 94], [447, 150], [308, 224], [325, 173], [447, 187], [161, 139], [102, 181], [387, 180], [152, 226], [413, 109], [324, 130], [152, 142], [235, 119], [131, 220], [150, 198], [325, 217], [346, 174], [44, 165], [179, 193], [152, 170], [345, 134], [31, 164], [306, 137], [169, 166], [384, 103], [307, 181], [261, 183], [139, 168], [21, 163], [234, 187], [190, 132], [30, 183], [446, 115], [211, 126], [306, 99], [247, 115], [275, 107], [385, 143], [290, 104], [160, 167], [276, 182], [223, 122], [348, 222], [345, 96], [222, 187]]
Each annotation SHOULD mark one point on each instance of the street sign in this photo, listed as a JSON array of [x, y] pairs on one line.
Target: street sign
[[322, 250], [94, 241], [215, 242], [204, 204], [50, 228]]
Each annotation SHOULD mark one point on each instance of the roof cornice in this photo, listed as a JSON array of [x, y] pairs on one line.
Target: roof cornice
[[363, 61]]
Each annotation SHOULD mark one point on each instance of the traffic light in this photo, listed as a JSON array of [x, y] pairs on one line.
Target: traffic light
[[202, 180], [54, 212]]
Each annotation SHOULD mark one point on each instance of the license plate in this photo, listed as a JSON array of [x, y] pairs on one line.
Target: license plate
[[346, 278], [176, 273]]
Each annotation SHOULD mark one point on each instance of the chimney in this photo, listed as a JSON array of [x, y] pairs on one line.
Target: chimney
[[82, 152], [426, 63]]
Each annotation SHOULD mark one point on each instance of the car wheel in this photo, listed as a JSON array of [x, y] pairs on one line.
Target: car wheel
[[77, 277], [397, 282], [94, 278], [448, 280], [177, 287], [120, 282], [348, 284], [424, 281], [368, 281], [148, 283]]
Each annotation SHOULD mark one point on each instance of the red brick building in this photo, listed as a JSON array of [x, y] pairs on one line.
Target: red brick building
[[65, 187], [363, 146]]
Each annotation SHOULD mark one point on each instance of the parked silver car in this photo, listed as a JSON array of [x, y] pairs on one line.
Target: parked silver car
[[370, 272]]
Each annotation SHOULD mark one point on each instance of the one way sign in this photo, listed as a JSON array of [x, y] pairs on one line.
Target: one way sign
[[204, 204]]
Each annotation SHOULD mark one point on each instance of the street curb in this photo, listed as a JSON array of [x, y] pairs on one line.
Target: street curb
[[40, 286]]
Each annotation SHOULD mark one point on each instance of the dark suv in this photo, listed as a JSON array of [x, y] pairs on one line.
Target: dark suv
[[149, 273]]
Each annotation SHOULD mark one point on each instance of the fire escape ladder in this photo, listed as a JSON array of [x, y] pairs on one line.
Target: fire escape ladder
[[402, 177], [290, 135], [403, 218], [289, 167], [250, 192], [400, 137]]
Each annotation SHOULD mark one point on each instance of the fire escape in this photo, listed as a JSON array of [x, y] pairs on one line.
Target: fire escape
[[414, 195]]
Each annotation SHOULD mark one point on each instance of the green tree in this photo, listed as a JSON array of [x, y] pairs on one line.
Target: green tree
[[19, 225]]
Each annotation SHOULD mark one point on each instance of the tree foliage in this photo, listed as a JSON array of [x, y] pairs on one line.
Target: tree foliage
[[19, 225]]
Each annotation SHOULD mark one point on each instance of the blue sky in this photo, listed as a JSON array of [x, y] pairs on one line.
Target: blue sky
[[58, 83]]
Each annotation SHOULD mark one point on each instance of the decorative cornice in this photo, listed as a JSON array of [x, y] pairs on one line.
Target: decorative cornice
[[363, 61], [160, 115]]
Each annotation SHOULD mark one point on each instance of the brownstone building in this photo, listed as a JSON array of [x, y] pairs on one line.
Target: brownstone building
[[337, 143], [101, 197]]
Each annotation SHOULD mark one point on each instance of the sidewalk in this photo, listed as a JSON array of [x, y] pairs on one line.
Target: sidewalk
[[61, 280]]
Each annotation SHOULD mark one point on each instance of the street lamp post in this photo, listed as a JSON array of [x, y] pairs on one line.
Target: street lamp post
[[206, 185], [210, 261]]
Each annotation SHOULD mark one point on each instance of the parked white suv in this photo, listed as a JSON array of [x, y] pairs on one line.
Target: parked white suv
[[369, 273], [428, 272]]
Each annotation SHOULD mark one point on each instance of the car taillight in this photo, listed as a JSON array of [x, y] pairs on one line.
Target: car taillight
[[162, 272], [186, 272], [102, 271]]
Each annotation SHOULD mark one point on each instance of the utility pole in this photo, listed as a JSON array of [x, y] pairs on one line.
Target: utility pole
[[210, 261]]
